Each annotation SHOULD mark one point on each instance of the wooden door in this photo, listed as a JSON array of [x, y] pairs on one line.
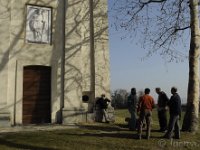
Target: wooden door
[[36, 95]]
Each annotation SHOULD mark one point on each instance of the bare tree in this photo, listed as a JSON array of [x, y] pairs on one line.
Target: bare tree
[[163, 24], [119, 98]]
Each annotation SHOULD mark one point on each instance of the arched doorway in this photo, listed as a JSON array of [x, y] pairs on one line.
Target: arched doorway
[[36, 95]]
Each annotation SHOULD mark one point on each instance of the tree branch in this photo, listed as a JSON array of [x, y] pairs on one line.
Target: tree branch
[[151, 1], [178, 29]]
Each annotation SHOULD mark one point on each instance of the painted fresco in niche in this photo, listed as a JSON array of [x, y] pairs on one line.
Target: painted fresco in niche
[[38, 24]]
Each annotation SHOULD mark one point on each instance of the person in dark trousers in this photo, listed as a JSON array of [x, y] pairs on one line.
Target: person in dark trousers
[[132, 107], [145, 106], [162, 109], [174, 105], [102, 102]]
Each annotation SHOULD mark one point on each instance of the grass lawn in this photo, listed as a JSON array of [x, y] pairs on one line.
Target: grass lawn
[[97, 136]]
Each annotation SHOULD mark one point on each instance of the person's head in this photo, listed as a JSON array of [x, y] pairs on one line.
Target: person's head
[[158, 90], [147, 91], [133, 91], [174, 90], [103, 95]]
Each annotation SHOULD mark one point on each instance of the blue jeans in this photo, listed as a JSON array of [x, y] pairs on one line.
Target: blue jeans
[[173, 126]]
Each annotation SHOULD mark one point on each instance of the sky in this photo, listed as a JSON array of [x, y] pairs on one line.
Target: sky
[[129, 70]]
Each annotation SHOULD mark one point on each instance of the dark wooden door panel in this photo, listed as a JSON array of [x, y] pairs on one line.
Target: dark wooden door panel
[[36, 95], [36, 120]]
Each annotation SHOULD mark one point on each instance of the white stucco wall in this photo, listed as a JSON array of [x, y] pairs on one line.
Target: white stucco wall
[[102, 57], [78, 77], [4, 51]]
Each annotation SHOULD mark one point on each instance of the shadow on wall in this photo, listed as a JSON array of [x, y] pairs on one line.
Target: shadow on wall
[[79, 29]]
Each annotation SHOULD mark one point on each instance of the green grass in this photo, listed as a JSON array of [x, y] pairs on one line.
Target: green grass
[[97, 136]]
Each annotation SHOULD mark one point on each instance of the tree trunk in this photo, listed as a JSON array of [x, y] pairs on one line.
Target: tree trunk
[[190, 122]]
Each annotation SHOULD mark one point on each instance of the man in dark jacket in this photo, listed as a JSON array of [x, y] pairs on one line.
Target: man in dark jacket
[[174, 105], [132, 107], [162, 109], [102, 102]]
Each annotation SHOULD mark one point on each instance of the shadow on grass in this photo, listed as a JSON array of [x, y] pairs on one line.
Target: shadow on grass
[[105, 127], [123, 125], [117, 131], [111, 135], [22, 146], [104, 134], [102, 128]]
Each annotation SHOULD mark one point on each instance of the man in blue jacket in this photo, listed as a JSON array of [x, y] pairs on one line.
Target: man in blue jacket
[[174, 105]]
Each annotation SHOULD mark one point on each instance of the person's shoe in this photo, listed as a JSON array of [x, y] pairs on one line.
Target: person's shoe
[[107, 122]]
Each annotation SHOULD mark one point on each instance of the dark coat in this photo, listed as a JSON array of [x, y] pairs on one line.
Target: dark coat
[[102, 103], [162, 100], [175, 105]]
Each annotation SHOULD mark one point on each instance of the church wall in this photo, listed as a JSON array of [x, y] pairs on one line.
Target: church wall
[[4, 53], [16, 51], [74, 108], [22, 54], [102, 58], [80, 76]]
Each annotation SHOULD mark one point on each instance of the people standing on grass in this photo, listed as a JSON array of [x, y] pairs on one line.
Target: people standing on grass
[[174, 105], [145, 105], [162, 109], [132, 106]]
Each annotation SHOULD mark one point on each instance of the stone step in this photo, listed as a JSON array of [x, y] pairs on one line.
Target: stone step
[[5, 119]]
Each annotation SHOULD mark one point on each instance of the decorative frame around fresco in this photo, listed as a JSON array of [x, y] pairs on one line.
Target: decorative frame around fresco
[[41, 36]]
